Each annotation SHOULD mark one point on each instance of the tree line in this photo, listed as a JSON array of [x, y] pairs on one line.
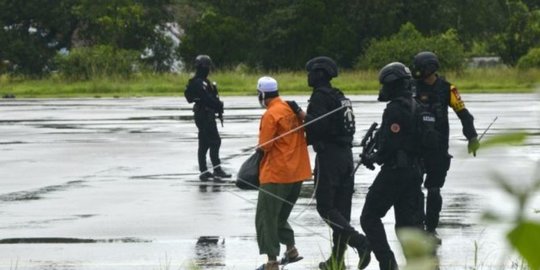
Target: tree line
[[39, 37]]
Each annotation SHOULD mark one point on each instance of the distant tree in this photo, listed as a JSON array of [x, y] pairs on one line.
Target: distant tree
[[224, 38], [403, 45], [532, 4], [530, 60], [275, 34], [98, 61], [521, 33], [32, 31], [286, 33], [127, 24]]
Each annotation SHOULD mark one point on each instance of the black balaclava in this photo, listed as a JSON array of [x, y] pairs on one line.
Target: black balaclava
[[395, 89], [202, 72], [318, 78]]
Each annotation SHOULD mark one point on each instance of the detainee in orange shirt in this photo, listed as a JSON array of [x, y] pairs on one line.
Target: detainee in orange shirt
[[284, 167]]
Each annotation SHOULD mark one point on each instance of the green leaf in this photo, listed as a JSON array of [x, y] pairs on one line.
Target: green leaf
[[490, 216], [504, 184], [416, 244], [504, 139], [525, 238]]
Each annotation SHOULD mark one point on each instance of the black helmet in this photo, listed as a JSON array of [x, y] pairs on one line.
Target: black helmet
[[425, 64], [392, 72], [395, 79], [203, 61], [323, 63]]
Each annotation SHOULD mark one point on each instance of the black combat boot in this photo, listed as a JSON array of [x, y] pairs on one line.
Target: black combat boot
[[206, 176], [332, 264], [388, 263], [364, 254], [436, 238], [220, 173]]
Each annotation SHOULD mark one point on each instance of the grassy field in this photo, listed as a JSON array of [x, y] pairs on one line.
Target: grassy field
[[500, 80]]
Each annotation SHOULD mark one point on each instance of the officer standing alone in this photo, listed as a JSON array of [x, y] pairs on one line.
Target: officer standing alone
[[207, 107], [331, 137], [399, 181], [438, 94]]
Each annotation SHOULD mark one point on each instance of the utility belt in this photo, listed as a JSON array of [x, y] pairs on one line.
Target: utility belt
[[403, 160], [200, 107], [321, 145]]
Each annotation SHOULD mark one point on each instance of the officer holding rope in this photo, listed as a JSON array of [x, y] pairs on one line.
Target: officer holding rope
[[438, 94], [331, 137]]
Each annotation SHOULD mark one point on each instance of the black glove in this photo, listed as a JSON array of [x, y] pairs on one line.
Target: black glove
[[367, 161], [473, 146], [294, 107]]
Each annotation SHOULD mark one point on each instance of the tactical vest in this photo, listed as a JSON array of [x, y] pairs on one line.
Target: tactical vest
[[343, 120], [190, 93], [437, 99], [411, 133]]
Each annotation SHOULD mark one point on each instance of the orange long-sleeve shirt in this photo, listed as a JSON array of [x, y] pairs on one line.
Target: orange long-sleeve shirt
[[286, 160]]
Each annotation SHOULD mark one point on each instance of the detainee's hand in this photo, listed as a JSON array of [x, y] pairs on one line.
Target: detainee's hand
[[473, 146]]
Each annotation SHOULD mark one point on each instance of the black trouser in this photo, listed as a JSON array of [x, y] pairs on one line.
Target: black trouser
[[436, 166], [400, 188], [208, 137], [335, 187]]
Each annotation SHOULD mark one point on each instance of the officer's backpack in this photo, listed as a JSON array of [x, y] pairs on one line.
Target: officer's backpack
[[345, 117], [191, 92]]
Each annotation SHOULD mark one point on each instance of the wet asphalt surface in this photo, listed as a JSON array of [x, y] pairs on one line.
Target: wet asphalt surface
[[113, 184]]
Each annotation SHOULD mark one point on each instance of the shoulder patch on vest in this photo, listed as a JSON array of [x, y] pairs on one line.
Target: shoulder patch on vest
[[395, 128], [455, 92]]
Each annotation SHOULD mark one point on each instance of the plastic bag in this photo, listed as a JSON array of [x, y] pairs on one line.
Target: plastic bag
[[248, 175]]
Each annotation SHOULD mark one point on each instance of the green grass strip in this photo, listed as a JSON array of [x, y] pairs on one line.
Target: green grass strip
[[231, 83]]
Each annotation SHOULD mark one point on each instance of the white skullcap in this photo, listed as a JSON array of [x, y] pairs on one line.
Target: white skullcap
[[267, 84]]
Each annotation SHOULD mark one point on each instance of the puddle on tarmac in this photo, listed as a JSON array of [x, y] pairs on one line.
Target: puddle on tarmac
[[140, 198]]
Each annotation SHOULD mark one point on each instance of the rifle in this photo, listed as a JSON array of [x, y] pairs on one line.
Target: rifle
[[220, 114], [368, 144], [220, 117]]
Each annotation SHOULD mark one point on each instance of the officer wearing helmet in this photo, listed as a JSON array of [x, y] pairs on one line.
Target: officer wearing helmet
[[207, 107], [399, 180], [438, 94], [331, 138]]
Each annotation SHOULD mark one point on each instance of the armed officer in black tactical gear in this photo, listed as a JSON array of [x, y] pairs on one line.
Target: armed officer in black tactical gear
[[334, 162], [207, 107], [438, 94], [399, 181]]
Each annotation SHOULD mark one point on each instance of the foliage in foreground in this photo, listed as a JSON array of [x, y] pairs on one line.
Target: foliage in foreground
[[524, 237]]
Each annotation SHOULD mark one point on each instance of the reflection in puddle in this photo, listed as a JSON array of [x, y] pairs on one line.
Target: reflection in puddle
[[459, 211], [210, 251], [67, 240], [215, 187], [37, 194]]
